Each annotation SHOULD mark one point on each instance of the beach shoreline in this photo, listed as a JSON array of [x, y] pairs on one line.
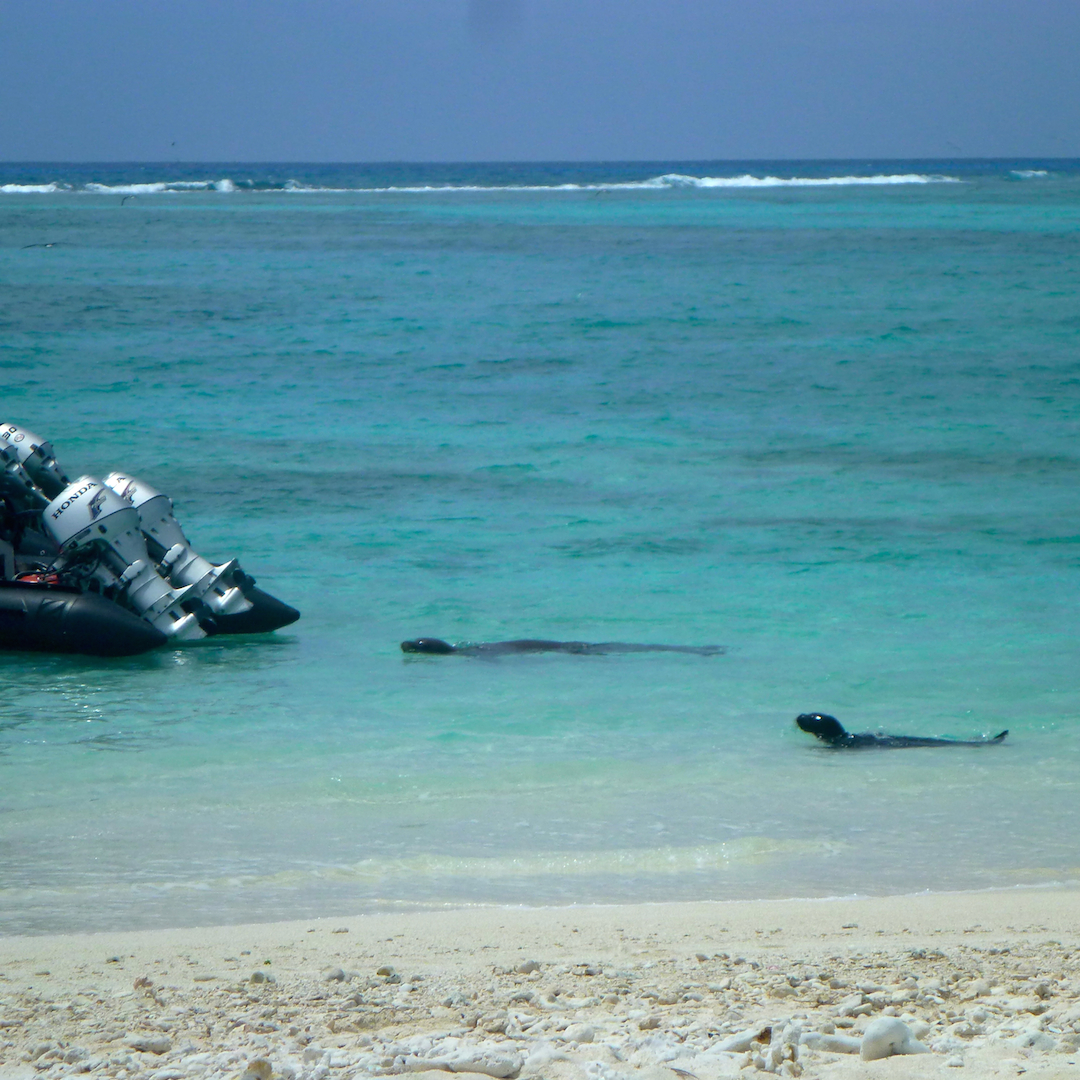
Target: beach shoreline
[[988, 980]]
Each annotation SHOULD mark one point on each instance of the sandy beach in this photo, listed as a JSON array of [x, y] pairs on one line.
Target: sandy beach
[[988, 983]]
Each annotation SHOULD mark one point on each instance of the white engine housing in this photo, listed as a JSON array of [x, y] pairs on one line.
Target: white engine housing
[[36, 456], [15, 480], [186, 568], [89, 514]]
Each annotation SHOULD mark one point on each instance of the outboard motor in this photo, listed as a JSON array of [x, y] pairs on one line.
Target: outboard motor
[[21, 503], [219, 586], [89, 517], [17, 484], [36, 456], [23, 544]]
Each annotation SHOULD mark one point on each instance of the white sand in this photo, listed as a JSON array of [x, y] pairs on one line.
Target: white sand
[[989, 981]]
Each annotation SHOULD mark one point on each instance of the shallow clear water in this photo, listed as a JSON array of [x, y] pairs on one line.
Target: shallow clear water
[[832, 427]]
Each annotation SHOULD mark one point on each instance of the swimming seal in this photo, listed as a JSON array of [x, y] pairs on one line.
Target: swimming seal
[[829, 730], [438, 647], [431, 645]]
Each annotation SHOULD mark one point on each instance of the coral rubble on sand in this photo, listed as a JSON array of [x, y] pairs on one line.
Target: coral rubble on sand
[[702, 1016]]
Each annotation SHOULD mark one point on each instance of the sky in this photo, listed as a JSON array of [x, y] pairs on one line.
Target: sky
[[533, 80]]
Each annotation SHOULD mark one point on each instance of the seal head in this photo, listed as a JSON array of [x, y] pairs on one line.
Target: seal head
[[431, 645], [825, 727]]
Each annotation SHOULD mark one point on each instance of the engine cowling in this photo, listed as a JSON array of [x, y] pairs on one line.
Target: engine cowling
[[216, 585], [88, 514], [37, 457], [17, 484]]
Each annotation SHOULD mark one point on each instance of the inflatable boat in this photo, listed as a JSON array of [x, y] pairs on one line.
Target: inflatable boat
[[103, 567]]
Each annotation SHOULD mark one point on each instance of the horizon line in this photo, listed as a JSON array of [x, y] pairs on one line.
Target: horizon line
[[527, 161]]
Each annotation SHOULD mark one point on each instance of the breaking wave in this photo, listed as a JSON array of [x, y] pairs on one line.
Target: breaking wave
[[749, 181], [657, 183], [163, 187], [29, 189], [667, 182]]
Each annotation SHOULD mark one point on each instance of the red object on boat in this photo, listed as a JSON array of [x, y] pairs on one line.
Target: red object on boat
[[35, 577]]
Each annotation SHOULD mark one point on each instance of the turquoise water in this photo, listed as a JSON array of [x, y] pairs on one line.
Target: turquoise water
[[830, 426]]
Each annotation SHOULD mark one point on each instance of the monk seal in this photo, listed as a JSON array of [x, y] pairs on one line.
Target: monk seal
[[829, 730], [438, 647]]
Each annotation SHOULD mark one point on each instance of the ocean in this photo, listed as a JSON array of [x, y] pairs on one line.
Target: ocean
[[825, 414]]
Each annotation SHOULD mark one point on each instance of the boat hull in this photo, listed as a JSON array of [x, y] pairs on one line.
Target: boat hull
[[265, 614], [47, 618]]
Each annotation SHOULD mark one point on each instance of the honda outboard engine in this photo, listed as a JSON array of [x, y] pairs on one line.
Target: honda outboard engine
[[88, 518], [36, 456], [120, 539], [16, 483], [219, 586], [23, 545]]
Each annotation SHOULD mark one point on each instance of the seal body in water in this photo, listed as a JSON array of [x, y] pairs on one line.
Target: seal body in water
[[438, 647], [829, 730]]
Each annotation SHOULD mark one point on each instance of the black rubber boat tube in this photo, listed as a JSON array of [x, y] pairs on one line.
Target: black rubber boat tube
[[265, 614], [38, 618]]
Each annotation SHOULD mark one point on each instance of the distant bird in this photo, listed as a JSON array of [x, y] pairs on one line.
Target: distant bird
[[126, 197], [52, 244]]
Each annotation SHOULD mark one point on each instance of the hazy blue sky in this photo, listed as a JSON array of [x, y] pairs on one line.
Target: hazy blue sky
[[459, 80]]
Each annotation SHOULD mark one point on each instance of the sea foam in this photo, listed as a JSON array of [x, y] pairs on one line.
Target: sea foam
[[161, 187], [666, 182], [659, 183], [749, 181], [29, 189]]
